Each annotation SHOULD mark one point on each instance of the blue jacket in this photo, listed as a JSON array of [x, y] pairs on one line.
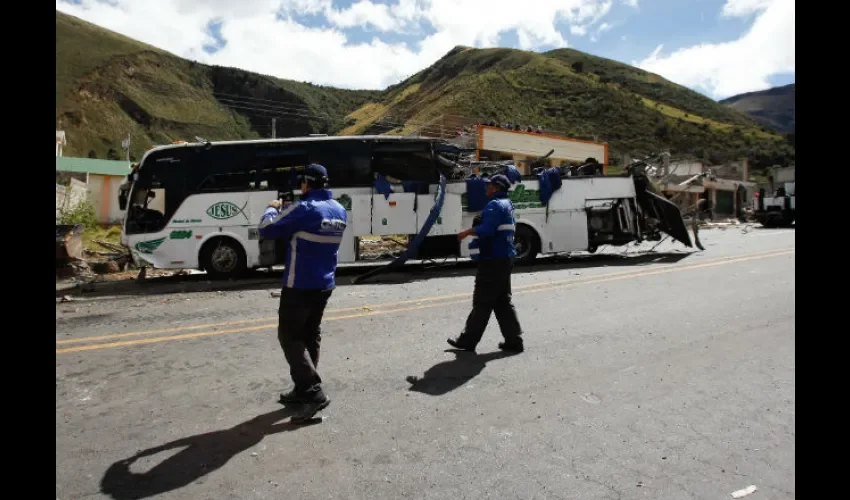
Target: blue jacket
[[549, 181], [494, 237], [314, 227]]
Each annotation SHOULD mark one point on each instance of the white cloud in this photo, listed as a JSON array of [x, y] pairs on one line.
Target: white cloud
[[264, 36], [631, 3], [742, 65], [365, 13], [739, 8]]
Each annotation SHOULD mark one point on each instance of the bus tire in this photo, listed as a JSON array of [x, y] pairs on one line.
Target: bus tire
[[527, 244], [223, 258]]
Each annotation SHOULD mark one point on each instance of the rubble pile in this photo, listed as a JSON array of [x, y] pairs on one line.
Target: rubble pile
[[382, 247]]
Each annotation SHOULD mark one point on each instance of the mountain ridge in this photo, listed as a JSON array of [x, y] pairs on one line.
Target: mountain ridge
[[109, 85], [774, 107]]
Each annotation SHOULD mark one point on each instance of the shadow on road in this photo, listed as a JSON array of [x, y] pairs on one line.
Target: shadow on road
[[447, 376], [265, 280], [199, 456]]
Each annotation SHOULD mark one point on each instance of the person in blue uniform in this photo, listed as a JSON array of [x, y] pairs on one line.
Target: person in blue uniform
[[312, 229], [494, 251]]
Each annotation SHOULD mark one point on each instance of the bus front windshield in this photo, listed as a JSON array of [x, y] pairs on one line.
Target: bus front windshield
[[143, 216]]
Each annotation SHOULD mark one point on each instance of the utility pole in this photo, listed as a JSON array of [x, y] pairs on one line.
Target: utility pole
[[274, 128], [126, 145]]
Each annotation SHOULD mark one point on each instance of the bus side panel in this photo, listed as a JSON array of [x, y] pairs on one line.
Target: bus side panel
[[449, 220], [576, 190], [466, 222], [393, 215], [566, 225], [362, 214], [567, 231], [348, 247]]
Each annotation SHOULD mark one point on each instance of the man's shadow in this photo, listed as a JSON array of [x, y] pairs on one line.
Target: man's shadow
[[449, 375], [199, 456]]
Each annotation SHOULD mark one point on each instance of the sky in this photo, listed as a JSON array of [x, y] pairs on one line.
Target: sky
[[719, 48]]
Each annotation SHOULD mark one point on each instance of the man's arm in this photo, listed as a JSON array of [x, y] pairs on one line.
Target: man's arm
[[281, 224], [489, 221]]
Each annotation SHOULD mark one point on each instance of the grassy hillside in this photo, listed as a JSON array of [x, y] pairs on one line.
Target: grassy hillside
[[774, 107], [578, 94], [108, 85]]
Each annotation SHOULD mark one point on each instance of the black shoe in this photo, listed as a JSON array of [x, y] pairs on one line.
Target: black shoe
[[291, 398], [310, 408], [511, 346], [457, 345]]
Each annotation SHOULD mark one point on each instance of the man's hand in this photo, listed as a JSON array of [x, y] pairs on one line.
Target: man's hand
[[275, 204], [465, 233]]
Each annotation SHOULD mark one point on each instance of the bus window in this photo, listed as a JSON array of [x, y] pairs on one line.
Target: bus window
[[220, 183], [406, 165], [348, 164]]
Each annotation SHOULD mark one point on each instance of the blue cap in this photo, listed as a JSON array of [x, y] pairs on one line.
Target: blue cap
[[316, 173], [501, 181]]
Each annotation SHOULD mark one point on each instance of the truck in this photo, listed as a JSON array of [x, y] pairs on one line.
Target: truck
[[778, 209]]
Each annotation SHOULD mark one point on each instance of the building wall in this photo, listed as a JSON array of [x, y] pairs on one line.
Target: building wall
[[103, 193], [686, 168], [528, 144], [736, 170], [786, 174]]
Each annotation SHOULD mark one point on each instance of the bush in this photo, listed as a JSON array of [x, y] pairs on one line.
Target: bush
[[81, 213]]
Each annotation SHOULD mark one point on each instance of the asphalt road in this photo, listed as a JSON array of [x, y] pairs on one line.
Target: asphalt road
[[662, 377]]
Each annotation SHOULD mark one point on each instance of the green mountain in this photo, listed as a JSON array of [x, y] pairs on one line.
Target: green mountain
[[108, 84], [774, 108]]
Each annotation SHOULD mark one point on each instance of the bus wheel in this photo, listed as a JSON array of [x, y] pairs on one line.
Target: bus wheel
[[223, 258], [526, 243]]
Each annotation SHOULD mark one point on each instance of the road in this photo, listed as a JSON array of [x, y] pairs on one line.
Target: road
[[667, 377]]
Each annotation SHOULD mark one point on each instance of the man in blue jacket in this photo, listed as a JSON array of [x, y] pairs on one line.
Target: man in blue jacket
[[496, 255], [313, 227]]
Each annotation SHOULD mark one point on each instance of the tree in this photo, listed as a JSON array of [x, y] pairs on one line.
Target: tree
[[578, 66]]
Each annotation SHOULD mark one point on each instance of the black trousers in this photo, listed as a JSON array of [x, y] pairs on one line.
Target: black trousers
[[300, 335], [492, 295]]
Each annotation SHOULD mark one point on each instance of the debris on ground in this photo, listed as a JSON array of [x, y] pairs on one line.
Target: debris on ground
[[382, 247], [275, 293], [744, 492]]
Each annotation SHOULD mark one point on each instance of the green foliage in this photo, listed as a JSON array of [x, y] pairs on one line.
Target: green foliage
[[81, 213], [108, 85]]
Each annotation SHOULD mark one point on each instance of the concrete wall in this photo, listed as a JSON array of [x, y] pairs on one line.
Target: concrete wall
[[69, 196]]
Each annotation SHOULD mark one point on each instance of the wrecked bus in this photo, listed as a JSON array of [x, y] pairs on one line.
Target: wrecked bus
[[197, 205]]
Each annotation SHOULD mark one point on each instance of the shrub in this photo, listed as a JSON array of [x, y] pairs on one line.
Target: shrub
[[81, 213]]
